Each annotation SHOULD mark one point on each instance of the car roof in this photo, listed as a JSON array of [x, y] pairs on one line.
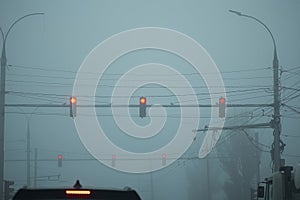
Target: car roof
[[103, 194]]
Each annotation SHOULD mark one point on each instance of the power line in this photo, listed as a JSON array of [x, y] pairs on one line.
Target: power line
[[240, 91], [59, 69], [57, 84]]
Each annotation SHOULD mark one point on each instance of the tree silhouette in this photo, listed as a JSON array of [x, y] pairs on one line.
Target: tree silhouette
[[239, 158]]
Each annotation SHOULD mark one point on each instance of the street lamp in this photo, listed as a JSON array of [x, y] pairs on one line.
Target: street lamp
[[275, 152], [2, 96], [28, 136]]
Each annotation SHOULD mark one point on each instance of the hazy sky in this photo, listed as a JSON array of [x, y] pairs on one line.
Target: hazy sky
[[45, 52]]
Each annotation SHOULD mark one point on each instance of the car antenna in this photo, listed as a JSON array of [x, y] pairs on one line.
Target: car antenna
[[77, 185]]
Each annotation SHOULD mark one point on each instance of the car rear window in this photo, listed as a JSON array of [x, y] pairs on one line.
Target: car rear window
[[52, 194]]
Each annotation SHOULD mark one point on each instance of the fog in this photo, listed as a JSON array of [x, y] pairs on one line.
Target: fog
[[46, 52]]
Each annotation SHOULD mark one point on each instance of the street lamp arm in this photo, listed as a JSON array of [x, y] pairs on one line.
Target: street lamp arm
[[2, 33], [274, 43], [259, 21], [236, 12], [5, 37]]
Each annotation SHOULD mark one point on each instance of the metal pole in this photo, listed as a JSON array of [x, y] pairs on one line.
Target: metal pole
[[208, 179], [28, 154], [35, 167], [258, 159], [276, 116], [152, 185], [275, 152], [2, 97], [134, 105], [2, 102]]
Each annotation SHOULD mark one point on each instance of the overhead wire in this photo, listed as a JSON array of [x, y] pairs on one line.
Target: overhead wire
[[59, 69]]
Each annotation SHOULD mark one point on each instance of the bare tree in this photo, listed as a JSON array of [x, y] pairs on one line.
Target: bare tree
[[239, 158]]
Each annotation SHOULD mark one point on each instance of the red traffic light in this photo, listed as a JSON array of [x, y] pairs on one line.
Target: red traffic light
[[73, 107], [222, 107], [73, 100], [222, 100], [143, 100], [113, 160], [163, 159], [143, 106], [59, 159]]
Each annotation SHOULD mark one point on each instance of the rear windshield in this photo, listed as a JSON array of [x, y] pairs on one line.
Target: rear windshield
[[58, 194]]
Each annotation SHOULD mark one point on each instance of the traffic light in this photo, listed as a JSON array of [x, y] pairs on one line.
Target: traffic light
[[222, 106], [163, 159], [113, 160], [143, 105], [8, 191], [73, 106], [59, 160]]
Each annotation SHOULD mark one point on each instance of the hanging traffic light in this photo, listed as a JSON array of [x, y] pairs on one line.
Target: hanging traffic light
[[8, 191], [143, 105], [59, 160], [222, 107], [113, 160], [163, 159], [73, 106]]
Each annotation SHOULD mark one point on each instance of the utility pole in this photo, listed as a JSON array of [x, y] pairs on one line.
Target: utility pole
[[2, 97], [276, 122], [256, 137], [2, 121], [28, 154], [276, 117], [208, 179], [35, 167], [152, 186]]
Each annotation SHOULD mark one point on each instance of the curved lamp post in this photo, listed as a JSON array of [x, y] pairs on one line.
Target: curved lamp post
[[276, 125], [2, 96]]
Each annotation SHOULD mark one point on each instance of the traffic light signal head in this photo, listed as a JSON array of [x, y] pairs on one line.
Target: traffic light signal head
[[222, 100], [164, 159], [59, 160], [73, 106], [143, 100], [73, 100], [113, 160], [143, 105], [222, 107]]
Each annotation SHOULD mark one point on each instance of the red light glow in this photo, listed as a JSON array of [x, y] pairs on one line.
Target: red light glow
[[222, 100], [78, 192], [143, 100], [73, 100]]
